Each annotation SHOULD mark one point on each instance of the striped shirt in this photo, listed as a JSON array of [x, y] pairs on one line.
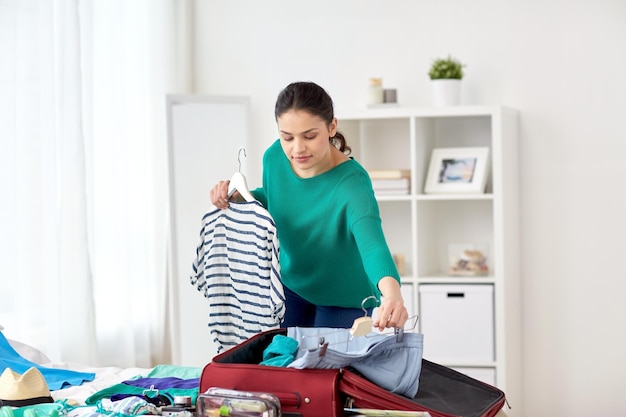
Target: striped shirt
[[237, 269]]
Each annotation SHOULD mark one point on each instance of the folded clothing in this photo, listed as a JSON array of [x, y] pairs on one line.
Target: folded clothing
[[131, 406], [280, 352], [392, 362], [149, 387]]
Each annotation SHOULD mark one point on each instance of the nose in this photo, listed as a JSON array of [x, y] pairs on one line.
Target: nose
[[299, 145]]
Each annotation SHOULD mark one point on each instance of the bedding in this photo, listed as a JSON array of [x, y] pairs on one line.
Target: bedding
[[56, 378], [28, 352], [91, 391]]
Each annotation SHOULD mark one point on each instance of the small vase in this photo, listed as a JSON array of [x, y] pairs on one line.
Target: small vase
[[446, 92], [375, 92]]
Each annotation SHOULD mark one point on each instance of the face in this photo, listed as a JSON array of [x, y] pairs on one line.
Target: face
[[305, 140]]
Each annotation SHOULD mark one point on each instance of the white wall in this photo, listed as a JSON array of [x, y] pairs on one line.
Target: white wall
[[562, 64]]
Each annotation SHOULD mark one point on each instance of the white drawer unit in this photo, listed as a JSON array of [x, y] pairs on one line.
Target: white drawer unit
[[457, 322]]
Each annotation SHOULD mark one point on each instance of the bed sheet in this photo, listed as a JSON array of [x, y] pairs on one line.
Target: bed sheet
[[104, 377]]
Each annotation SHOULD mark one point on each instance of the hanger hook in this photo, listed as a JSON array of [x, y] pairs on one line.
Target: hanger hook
[[239, 156], [365, 301]]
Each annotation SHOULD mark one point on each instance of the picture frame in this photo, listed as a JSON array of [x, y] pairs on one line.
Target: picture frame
[[458, 170]]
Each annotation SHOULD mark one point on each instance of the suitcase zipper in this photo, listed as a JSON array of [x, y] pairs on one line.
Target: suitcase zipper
[[360, 397], [380, 400]]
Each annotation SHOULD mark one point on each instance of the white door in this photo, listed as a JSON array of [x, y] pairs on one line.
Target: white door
[[205, 136]]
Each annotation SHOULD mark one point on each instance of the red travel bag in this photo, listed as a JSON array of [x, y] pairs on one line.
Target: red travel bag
[[305, 392], [443, 392]]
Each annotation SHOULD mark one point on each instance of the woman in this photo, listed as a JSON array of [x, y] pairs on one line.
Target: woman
[[333, 253]]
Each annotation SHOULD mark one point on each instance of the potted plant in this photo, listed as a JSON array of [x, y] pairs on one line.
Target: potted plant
[[446, 75]]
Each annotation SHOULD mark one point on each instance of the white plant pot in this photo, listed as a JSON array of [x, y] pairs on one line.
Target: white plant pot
[[446, 92]]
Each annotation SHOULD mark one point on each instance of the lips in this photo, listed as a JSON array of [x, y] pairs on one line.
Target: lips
[[301, 159]]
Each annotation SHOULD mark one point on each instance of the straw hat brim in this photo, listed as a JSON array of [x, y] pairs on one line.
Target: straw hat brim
[[22, 390]]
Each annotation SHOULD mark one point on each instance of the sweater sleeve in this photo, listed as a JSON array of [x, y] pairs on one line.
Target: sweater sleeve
[[366, 227], [375, 253]]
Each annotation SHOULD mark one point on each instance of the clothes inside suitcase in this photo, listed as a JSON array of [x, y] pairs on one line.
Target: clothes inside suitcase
[[302, 392], [443, 392]]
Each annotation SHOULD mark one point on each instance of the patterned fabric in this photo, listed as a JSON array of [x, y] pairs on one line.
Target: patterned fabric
[[237, 269], [131, 406]]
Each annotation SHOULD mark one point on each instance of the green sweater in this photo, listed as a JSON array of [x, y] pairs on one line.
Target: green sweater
[[332, 247]]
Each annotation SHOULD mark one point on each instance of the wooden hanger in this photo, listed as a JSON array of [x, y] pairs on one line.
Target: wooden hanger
[[363, 325], [238, 182]]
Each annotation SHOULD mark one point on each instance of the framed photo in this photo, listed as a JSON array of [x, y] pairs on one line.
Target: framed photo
[[457, 170]]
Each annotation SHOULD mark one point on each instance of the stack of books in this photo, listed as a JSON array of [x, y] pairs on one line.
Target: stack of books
[[390, 181]]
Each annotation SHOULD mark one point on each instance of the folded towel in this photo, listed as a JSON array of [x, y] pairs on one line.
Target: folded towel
[[280, 352]]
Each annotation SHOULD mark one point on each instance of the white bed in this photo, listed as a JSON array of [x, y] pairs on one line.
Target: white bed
[[105, 377]]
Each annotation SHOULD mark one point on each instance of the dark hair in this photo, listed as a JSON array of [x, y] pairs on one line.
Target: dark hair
[[313, 99]]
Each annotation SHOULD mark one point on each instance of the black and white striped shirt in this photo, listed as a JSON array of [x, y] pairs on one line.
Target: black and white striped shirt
[[237, 269]]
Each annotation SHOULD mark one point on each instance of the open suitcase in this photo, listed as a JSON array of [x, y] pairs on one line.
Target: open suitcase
[[443, 392]]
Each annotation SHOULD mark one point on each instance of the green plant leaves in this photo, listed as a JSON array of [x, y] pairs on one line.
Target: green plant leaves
[[446, 68]]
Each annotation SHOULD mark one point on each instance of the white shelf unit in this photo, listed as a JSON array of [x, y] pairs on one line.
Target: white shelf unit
[[421, 226]]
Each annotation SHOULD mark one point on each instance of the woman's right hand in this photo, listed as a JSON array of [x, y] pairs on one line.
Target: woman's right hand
[[219, 195]]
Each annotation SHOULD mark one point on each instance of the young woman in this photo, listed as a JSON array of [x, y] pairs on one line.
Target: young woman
[[333, 253]]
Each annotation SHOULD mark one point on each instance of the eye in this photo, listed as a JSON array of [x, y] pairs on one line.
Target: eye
[[287, 138]]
